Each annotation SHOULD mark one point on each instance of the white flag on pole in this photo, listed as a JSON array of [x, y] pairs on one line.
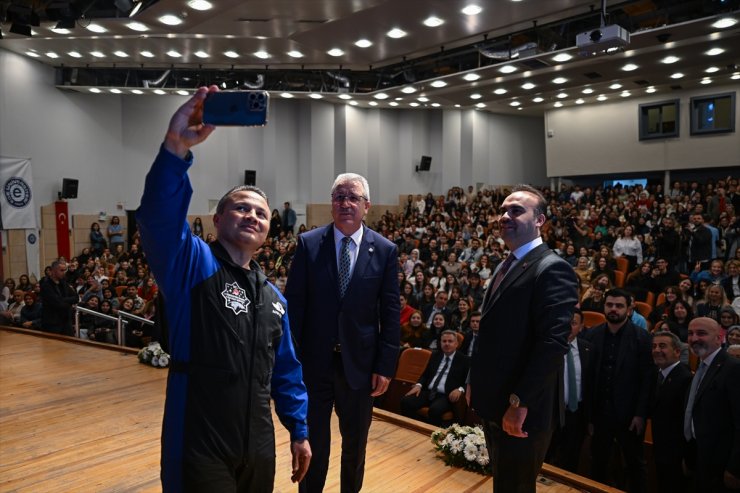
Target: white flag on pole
[[17, 209]]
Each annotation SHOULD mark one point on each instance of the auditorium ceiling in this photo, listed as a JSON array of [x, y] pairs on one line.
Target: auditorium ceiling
[[498, 55]]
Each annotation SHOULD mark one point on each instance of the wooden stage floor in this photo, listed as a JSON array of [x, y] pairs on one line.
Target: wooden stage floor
[[79, 418]]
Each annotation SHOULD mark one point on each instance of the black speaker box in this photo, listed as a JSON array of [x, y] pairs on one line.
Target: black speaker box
[[69, 188], [250, 177]]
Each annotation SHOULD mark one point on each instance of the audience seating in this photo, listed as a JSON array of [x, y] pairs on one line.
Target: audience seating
[[619, 278], [650, 298], [411, 365], [622, 265], [660, 300], [643, 308], [592, 319]]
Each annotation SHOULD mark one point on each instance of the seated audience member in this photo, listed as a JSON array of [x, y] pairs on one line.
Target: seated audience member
[[471, 336], [593, 300], [132, 293], [714, 300], [439, 306], [105, 330], [727, 318], [31, 312], [569, 255], [406, 309], [483, 268], [734, 351], [441, 384], [461, 317], [413, 332], [637, 319], [639, 281], [135, 330], [714, 275], [439, 280], [87, 320], [601, 267], [731, 282], [661, 311], [474, 289], [439, 325], [663, 276], [686, 287], [733, 335], [24, 283], [12, 314], [583, 271]]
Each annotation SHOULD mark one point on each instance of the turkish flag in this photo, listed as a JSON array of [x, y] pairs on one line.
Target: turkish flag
[[62, 215]]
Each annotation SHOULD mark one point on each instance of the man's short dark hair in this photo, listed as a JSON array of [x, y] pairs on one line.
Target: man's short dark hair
[[240, 188], [541, 206], [620, 293], [675, 341], [476, 313]]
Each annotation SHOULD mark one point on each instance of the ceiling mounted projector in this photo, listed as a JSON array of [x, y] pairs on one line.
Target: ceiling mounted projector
[[604, 39]]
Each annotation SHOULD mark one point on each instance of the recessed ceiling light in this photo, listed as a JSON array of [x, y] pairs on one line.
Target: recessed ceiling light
[[625, 94], [96, 28], [146, 54], [515, 104], [137, 91], [724, 22], [32, 54], [630, 67], [735, 76], [601, 97], [472, 9], [159, 92], [435, 105], [705, 81], [677, 75], [345, 96], [650, 89], [137, 26], [295, 54], [507, 69], [396, 33], [558, 104], [499, 91], [432, 21], [438, 83], [231, 54], [335, 52], [315, 95], [95, 90], [538, 99], [527, 86], [170, 20], [475, 96], [457, 106], [670, 59], [408, 90], [201, 54], [711, 70], [200, 5], [51, 54], [414, 104], [373, 103], [562, 57], [587, 90], [471, 77], [561, 95], [381, 95], [714, 51], [286, 95], [559, 80], [182, 92], [363, 43], [423, 99], [393, 103], [60, 31], [480, 105], [615, 86], [121, 54], [97, 54], [74, 54], [116, 91], [353, 103], [261, 54], [174, 54], [580, 101]]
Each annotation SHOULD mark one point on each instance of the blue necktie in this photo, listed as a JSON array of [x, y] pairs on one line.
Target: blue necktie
[[344, 266]]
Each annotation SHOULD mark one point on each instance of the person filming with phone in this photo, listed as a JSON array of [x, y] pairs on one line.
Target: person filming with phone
[[229, 336]]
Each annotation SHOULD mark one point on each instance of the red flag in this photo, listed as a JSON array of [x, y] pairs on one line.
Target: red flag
[[62, 215]]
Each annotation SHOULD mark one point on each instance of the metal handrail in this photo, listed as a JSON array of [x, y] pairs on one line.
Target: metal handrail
[[120, 322]]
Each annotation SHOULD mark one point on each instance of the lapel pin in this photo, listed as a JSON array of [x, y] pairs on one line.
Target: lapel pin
[[371, 249]]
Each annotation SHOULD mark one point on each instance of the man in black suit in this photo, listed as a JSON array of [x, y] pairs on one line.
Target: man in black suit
[[565, 447], [471, 336], [712, 419], [343, 304], [439, 306], [522, 339], [667, 412], [441, 384], [622, 375]]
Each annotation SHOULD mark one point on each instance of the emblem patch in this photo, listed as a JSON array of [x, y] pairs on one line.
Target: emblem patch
[[236, 298], [278, 309]]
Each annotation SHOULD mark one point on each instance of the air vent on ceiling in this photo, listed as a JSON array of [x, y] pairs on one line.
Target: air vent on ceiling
[[642, 82], [676, 87], [593, 75]]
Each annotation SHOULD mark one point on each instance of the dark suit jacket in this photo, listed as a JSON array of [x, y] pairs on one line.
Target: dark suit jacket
[[456, 376], [727, 286], [522, 339], [467, 341], [633, 376], [716, 416], [667, 405], [366, 322]]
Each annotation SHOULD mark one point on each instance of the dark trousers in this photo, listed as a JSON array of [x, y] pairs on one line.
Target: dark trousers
[[566, 443], [516, 461], [256, 474], [410, 404], [670, 478], [630, 446], [354, 409]]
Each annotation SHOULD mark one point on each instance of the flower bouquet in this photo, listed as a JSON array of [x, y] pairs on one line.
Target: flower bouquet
[[463, 446], [154, 355]]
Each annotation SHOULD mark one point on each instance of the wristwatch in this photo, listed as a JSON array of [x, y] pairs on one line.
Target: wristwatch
[[461, 389], [514, 400]]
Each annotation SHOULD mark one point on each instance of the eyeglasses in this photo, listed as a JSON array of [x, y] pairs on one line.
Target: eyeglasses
[[353, 199]]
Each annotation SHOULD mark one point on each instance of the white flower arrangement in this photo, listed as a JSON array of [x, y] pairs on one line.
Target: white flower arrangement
[[154, 355], [463, 446]]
